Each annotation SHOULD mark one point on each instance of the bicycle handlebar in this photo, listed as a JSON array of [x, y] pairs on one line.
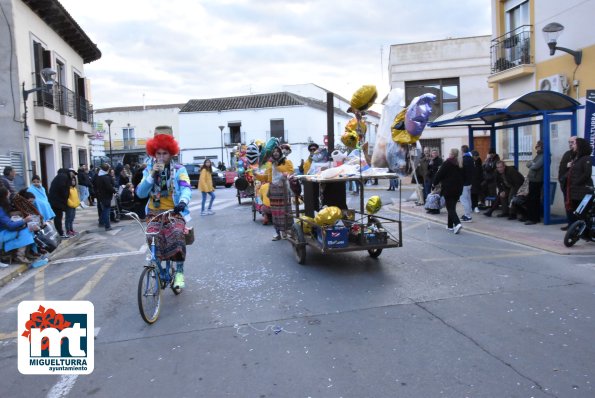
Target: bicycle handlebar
[[136, 218]]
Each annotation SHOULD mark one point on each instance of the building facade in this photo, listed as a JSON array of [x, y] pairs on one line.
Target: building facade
[[130, 128], [455, 70], [210, 128], [521, 62], [45, 127]]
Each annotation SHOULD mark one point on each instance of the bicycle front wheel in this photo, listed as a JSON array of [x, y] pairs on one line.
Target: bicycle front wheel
[[149, 295]]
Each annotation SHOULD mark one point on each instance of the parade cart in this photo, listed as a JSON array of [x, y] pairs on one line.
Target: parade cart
[[245, 189], [376, 233]]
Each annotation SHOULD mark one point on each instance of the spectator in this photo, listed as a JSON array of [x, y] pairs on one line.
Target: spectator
[[84, 184], [508, 180], [489, 174], [476, 181], [7, 180], [422, 169], [104, 189], [468, 167], [41, 199], [434, 164], [125, 175], [58, 198], [563, 174], [205, 185], [73, 202], [14, 234], [221, 166], [535, 178], [579, 176], [450, 176]]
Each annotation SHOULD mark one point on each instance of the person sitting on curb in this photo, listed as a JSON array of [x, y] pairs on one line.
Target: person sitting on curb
[[508, 180]]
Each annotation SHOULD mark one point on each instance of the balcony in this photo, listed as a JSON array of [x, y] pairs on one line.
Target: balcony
[[131, 144], [62, 107], [511, 55]]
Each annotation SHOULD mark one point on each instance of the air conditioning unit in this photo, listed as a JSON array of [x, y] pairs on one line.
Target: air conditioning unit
[[555, 83]]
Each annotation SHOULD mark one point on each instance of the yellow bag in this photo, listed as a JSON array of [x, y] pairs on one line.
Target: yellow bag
[[328, 216], [374, 204], [73, 198], [363, 98]]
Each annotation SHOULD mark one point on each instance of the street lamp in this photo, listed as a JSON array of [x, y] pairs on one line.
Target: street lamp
[[551, 32], [221, 128], [47, 79], [109, 132]]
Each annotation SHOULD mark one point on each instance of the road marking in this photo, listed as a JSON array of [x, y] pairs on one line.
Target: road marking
[[66, 382], [68, 275], [100, 256], [38, 286], [91, 283]]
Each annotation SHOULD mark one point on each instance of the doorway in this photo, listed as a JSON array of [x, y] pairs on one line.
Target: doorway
[[47, 166]]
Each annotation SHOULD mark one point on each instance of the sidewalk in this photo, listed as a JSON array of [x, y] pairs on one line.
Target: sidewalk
[[545, 237], [86, 219]]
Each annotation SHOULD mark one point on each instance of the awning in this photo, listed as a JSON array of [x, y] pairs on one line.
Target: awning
[[527, 105]]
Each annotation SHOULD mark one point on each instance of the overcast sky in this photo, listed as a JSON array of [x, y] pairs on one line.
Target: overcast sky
[[163, 52]]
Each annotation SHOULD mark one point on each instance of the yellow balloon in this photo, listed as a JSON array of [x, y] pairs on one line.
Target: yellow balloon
[[363, 98], [350, 139], [353, 124], [306, 227], [374, 204], [328, 216], [400, 135]]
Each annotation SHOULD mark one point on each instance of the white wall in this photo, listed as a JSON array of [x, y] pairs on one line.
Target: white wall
[[200, 135], [29, 27], [465, 58], [143, 121]]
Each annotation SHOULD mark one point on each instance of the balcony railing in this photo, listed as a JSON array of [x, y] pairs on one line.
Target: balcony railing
[[66, 102], [511, 49], [129, 144]]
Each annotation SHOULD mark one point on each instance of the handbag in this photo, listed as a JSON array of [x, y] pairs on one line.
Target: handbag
[[189, 235], [47, 238]]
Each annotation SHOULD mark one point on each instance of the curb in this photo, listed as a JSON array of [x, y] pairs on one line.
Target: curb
[[17, 270]]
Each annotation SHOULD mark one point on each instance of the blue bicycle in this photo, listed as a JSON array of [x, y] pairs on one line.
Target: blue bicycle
[[154, 277]]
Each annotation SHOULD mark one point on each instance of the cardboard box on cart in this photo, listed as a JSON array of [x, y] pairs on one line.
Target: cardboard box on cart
[[334, 237]]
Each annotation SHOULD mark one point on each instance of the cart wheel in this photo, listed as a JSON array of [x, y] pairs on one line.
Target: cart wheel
[[299, 250], [374, 253]]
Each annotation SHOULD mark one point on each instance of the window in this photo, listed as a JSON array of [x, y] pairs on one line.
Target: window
[[235, 134], [517, 14], [128, 137], [525, 143], [83, 157], [446, 91], [66, 157], [277, 129]]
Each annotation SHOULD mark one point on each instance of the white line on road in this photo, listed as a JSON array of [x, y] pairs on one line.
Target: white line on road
[[98, 256], [66, 382]]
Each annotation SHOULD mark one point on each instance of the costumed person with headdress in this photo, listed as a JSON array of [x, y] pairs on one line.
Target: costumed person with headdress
[[276, 175], [312, 148], [168, 187]]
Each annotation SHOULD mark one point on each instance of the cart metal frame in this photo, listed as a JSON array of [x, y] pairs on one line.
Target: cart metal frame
[[300, 240]]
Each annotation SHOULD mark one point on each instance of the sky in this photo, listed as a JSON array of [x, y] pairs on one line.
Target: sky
[[165, 52]]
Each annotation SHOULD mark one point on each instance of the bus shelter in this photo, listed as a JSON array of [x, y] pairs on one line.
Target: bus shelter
[[541, 108]]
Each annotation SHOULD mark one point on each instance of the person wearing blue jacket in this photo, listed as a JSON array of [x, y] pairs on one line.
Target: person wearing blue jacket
[[167, 185], [14, 234]]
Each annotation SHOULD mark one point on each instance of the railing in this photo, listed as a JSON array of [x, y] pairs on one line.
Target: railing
[[66, 102], [511, 49], [132, 143]]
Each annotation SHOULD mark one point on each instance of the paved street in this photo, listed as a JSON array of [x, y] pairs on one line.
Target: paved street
[[468, 315]]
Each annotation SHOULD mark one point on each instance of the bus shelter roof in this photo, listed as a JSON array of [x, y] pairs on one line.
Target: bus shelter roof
[[527, 105]]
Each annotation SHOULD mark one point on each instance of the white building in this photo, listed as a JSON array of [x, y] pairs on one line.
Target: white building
[[455, 70], [41, 34], [130, 128], [210, 127]]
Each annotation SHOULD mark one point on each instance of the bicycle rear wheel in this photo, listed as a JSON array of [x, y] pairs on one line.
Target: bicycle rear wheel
[[149, 295]]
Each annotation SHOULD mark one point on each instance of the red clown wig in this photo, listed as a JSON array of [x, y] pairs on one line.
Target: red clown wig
[[162, 141]]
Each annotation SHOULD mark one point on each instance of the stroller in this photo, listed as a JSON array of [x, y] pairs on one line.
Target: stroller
[[122, 202]]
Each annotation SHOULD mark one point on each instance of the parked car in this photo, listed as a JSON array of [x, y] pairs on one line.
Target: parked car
[[194, 174]]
